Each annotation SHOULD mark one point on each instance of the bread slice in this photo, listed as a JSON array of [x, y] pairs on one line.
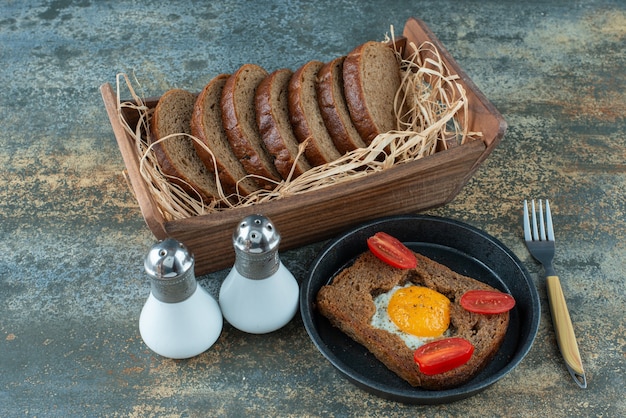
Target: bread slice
[[371, 77], [305, 115], [272, 115], [239, 121], [348, 303], [206, 125], [334, 109], [176, 156]]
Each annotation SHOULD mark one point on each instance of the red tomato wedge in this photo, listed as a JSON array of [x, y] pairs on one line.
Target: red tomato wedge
[[487, 301], [443, 355], [391, 251]]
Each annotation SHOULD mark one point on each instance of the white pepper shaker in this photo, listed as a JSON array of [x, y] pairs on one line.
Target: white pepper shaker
[[180, 319], [260, 294]]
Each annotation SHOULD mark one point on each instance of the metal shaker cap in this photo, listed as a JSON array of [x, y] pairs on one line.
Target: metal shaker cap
[[256, 247], [170, 267]]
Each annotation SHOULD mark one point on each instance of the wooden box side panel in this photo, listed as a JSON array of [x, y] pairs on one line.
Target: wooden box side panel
[[154, 219], [316, 216]]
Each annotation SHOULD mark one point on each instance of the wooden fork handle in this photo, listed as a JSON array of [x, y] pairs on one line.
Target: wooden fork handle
[[564, 330]]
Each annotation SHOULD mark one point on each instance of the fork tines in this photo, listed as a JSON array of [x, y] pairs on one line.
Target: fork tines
[[539, 229]]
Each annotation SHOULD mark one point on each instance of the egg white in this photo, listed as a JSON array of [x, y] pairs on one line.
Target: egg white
[[381, 320]]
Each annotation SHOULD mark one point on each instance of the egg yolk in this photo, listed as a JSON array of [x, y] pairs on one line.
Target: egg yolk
[[420, 311]]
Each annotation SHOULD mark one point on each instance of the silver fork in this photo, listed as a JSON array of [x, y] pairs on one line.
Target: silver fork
[[542, 249]]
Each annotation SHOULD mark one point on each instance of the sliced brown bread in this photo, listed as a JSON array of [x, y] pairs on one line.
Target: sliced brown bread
[[305, 115], [206, 125], [177, 155], [272, 115], [371, 77], [348, 303], [334, 109], [239, 121]]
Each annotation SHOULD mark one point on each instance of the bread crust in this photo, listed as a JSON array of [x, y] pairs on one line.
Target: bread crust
[[306, 117], [331, 98], [272, 115], [240, 125], [371, 77], [206, 126], [348, 304], [194, 179]]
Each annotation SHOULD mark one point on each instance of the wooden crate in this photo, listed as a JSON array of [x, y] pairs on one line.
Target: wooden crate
[[315, 216]]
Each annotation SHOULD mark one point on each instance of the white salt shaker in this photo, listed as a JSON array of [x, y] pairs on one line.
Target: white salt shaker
[[259, 295], [180, 319]]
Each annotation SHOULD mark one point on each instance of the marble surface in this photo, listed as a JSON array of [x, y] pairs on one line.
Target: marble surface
[[73, 239]]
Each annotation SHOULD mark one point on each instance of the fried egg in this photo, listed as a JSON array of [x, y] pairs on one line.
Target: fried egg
[[416, 314]]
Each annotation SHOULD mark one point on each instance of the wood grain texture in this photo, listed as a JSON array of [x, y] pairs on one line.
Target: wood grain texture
[[563, 327]]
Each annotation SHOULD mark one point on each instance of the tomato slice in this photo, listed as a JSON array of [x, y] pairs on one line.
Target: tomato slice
[[487, 301], [391, 251], [440, 356]]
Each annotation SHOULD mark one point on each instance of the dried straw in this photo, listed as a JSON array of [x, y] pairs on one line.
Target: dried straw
[[431, 109]]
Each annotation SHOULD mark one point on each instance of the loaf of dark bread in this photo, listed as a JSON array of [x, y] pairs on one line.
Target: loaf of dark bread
[[333, 107], [239, 121], [348, 303], [272, 116], [206, 126], [253, 122], [176, 156], [306, 117], [371, 77]]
